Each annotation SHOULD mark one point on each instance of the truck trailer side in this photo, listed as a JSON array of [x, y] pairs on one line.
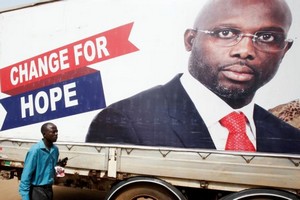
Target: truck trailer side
[[124, 169]]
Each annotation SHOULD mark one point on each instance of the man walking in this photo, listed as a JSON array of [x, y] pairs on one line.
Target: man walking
[[38, 173]]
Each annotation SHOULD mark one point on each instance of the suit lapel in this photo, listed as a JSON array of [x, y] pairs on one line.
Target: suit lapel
[[274, 135], [262, 132], [186, 122]]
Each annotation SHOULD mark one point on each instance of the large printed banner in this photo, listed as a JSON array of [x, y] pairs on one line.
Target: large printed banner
[[66, 62], [58, 83], [155, 73]]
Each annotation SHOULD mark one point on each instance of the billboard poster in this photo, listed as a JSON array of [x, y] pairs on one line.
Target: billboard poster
[[154, 73]]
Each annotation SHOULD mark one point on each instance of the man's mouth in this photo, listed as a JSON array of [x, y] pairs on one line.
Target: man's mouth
[[240, 73]]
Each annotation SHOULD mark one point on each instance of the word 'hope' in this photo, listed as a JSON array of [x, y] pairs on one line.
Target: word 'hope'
[[43, 101]]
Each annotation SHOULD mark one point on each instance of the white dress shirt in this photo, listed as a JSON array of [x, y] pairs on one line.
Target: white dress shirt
[[211, 108]]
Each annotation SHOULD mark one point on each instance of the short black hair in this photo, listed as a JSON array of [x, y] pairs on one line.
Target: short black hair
[[44, 127]]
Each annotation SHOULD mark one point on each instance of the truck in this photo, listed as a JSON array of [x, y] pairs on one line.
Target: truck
[[65, 60]]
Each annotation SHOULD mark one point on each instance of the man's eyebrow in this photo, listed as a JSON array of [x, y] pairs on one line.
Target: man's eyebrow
[[272, 28], [225, 26]]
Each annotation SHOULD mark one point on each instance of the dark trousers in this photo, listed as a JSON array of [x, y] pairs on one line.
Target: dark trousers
[[41, 193]]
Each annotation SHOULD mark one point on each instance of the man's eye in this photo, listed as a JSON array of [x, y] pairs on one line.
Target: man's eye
[[269, 37], [266, 37], [226, 33]]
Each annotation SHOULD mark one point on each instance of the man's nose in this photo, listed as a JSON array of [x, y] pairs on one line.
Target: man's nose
[[244, 49]]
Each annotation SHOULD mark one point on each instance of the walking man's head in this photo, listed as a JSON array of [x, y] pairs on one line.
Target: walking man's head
[[50, 133]]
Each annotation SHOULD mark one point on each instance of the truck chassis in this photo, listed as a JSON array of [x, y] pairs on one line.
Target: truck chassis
[[140, 172]]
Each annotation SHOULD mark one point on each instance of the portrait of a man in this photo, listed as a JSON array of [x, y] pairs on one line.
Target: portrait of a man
[[236, 47]]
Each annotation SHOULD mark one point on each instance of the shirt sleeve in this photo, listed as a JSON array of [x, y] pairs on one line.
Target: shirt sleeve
[[28, 170], [56, 157]]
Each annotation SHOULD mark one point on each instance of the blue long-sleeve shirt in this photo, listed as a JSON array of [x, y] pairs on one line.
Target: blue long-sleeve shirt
[[38, 168]]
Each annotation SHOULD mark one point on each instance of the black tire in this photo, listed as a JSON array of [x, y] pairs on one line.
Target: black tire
[[145, 192], [261, 194], [144, 189]]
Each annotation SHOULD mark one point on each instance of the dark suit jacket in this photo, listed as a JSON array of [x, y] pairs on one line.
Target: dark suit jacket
[[166, 116]]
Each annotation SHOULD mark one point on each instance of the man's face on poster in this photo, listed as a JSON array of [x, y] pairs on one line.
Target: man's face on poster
[[237, 46]]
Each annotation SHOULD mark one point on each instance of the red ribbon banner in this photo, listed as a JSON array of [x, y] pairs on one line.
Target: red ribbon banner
[[66, 62]]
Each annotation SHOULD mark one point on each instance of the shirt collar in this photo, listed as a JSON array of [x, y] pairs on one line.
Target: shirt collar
[[216, 109], [43, 146]]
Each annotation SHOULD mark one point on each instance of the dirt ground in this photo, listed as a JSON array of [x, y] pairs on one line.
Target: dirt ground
[[9, 191]]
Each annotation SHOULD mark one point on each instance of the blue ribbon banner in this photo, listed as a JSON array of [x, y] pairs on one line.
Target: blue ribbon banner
[[59, 100]]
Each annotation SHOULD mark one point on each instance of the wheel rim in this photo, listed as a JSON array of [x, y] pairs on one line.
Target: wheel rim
[[144, 189], [261, 194]]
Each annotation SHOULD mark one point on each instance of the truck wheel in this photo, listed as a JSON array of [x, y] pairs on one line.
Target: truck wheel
[[261, 194], [144, 189], [144, 192]]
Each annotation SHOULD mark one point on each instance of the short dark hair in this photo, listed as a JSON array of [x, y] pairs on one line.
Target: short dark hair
[[44, 127]]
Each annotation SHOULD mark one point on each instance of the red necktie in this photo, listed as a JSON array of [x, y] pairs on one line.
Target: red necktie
[[237, 137]]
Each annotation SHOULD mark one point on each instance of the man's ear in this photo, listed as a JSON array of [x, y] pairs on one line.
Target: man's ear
[[189, 37], [289, 45]]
